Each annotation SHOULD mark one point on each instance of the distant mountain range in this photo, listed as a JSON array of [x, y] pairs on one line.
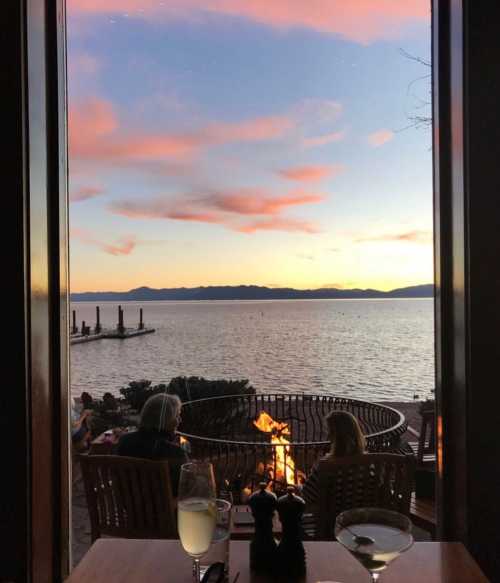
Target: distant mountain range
[[249, 292]]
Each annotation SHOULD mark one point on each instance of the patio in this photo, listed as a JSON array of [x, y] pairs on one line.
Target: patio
[[81, 524]]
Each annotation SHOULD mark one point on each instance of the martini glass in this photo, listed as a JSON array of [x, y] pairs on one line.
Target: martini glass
[[374, 536]]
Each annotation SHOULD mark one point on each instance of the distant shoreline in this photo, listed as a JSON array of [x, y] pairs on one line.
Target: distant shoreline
[[256, 300], [250, 293]]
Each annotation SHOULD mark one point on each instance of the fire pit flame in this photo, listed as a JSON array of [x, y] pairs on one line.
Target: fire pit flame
[[284, 470]]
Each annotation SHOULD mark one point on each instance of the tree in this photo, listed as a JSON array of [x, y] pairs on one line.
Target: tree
[[422, 119]]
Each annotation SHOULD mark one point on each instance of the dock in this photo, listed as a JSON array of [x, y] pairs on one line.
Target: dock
[[87, 334]]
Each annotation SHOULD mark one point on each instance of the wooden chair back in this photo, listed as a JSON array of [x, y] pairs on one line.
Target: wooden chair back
[[380, 480], [427, 438], [128, 497]]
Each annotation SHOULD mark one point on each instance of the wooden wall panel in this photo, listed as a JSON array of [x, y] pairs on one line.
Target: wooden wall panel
[[34, 408], [467, 218]]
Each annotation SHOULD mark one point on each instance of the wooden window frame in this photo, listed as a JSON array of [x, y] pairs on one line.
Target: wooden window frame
[[35, 524]]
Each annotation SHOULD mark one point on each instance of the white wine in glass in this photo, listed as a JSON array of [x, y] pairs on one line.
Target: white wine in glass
[[196, 511], [374, 536], [196, 525]]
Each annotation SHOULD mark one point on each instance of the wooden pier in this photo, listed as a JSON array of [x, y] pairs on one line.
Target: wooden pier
[[86, 334]]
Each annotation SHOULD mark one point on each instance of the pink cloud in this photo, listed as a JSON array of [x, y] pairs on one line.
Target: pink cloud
[[112, 6], [159, 209], [83, 64], [193, 216], [255, 130], [380, 137], [322, 140], [147, 147], [94, 134], [312, 173], [418, 236], [93, 116], [123, 246], [89, 123], [226, 208], [85, 193], [362, 21], [259, 201], [280, 224]]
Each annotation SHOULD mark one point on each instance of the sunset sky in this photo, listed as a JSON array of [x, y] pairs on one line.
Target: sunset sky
[[225, 142]]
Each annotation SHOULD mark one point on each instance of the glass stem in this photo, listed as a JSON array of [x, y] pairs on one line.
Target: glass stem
[[196, 570], [375, 577]]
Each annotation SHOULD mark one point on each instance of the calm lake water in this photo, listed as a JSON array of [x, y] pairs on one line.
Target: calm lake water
[[368, 349]]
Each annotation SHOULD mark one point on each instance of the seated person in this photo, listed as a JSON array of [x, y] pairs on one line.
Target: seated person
[[347, 440], [86, 399], [110, 402], [80, 431], [155, 439]]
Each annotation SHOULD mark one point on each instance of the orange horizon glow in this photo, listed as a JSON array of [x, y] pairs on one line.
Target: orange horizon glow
[[78, 285]]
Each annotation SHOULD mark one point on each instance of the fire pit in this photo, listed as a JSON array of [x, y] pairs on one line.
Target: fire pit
[[276, 437]]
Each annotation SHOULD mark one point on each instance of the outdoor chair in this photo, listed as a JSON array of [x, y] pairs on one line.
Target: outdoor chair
[[380, 480], [426, 450], [423, 510], [128, 497]]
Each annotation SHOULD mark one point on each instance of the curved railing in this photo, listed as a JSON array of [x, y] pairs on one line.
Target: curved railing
[[221, 429]]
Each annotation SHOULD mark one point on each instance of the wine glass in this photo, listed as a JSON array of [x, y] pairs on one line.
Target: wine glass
[[375, 536], [196, 511], [219, 548]]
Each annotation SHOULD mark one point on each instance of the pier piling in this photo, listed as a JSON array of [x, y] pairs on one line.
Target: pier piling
[[88, 334], [120, 327], [98, 320]]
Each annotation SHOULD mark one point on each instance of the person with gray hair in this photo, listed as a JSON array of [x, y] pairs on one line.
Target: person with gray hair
[[155, 439], [161, 413]]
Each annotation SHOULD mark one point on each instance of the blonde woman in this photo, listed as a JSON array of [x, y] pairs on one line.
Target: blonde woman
[[347, 440]]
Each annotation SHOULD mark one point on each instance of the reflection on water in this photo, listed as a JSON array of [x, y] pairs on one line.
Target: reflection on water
[[373, 349]]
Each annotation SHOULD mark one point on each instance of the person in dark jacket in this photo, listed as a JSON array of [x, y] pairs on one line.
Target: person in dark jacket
[[155, 439]]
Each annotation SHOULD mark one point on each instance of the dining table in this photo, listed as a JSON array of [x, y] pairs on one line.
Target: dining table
[[112, 560], [106, 442]]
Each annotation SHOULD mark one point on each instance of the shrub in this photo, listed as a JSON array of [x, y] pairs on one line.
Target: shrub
[[186, 388], [138, 392], [108, 412], [194, 388]]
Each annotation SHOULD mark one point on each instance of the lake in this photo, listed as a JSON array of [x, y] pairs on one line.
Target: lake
[[367, 349]]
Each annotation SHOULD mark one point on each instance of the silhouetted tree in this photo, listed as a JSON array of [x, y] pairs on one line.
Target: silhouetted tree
[[422, 119]]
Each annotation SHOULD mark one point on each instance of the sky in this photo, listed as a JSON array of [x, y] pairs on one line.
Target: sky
[[267, 142]]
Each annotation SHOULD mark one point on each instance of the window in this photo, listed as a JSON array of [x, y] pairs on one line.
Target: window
[[259, 182]]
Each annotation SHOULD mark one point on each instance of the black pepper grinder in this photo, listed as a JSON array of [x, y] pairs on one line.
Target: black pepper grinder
[[291, 552], [263, 546]]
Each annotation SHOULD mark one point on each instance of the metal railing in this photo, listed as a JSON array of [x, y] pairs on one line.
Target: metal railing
[[221, 429]]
